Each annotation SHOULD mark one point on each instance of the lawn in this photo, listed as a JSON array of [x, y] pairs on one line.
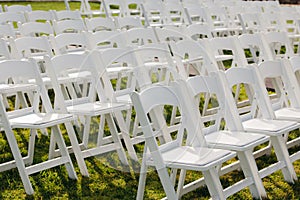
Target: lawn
[[108, 180]]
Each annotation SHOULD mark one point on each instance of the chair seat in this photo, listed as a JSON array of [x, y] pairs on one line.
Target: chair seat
[[40, 120], [269, 127], [195, 158], [292, 114], [11, 88], [236, 141], [96, 108]]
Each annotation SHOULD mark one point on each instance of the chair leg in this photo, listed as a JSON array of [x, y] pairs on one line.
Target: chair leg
[[181, 182], [19, 161], [116, 139], [64, 151], [76, 149], [86, 131], [213, 183], [126, 136], [142, 180], [167, 183], [33, 133], [250, 170], [282, 154]]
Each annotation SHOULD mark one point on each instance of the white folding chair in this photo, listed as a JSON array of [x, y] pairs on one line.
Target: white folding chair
[[69, 26], [175, 154], [261, 118], [31, 118], [232, 137], [120, 64], [99, 24], [69, 43], [287, 90], [17, 8], [68, 66], [36, 29]]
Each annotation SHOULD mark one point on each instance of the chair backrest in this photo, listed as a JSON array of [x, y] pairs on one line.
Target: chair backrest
[[66, 14], [140, 36], [295, 63], [197, 14], [12, 18], [114, 8], [6, 30], [154, 13], [36, 29], [69, 43], [272, 22], [249, 81], [155, 65], [257, 46], [280, 74], [69, 26], [4, 50], [17, 8], [128, 22], [166, 34], [63, 65], [197, 31], [194, 56], [100, 23], [289, 17], [58, 68], [280, 44], [174, 14], [222, 106], [20, 72], [106, 39], [39, 15], [120, 64], [251, 22], [133, 8], [218, 16], [228, 46], [30, 47], [150, 114]]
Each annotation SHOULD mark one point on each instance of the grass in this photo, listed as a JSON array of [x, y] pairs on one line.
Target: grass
[[106, 180]]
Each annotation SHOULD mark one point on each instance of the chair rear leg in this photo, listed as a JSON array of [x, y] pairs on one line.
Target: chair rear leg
[[282, 154], [213, 183], [250, 170]]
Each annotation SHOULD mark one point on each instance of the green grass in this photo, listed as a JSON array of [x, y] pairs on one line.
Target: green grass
[[106, 180]]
